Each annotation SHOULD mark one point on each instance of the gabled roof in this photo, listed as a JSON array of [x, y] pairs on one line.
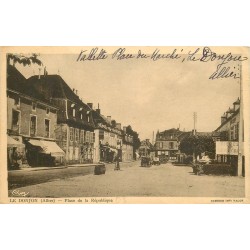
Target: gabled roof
[[169, 134], [147, 144]]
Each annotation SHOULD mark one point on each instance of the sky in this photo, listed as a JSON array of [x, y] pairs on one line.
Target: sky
[[147, 95]]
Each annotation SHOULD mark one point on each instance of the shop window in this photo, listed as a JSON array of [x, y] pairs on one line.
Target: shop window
[[33, 125], [47, 128]]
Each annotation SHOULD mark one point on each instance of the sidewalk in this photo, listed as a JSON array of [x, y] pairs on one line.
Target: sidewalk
[[67, 166], [36, 168]]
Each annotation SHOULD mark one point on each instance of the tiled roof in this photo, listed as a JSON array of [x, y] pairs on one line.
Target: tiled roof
[[17, 82], [57, 88], [228, 119]]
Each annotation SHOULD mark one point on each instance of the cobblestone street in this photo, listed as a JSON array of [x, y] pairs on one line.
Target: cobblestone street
[[165, 180]]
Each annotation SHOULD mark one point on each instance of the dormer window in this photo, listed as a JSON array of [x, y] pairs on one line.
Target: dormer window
[[33, 106], [88, 115], [73, 109]]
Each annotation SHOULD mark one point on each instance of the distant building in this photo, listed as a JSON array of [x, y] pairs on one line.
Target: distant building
[[31, 120], [111, 139], [108, 137], [74, 131], [127, 145], [146, 148], [167, 143]]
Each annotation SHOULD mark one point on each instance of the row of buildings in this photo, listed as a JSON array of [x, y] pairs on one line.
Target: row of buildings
[[48, 124], [168, 145], [222, 144]]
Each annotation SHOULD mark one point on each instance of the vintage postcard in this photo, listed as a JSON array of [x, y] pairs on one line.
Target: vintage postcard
[[124, 125]]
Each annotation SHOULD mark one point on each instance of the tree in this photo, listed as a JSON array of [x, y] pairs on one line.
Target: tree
[[24, 60], [198, 144], [136, 139]]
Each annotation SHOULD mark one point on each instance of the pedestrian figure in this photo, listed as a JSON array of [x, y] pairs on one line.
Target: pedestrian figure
[[117, 160]]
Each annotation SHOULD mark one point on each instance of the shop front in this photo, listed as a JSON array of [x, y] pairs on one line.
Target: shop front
[[44, 153], [107, 154]]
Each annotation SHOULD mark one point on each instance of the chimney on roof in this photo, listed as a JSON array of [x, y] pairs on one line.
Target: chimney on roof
[[90, 105], [76, 91], [229, 112], [39, 75], [125, 129], [113, 122], [119, 126], [98, 109], [237, 104], [109, 119], [223, 118], [73, 90]]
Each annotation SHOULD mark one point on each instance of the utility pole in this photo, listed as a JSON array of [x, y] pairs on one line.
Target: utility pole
[[195, 120], [241, 131]]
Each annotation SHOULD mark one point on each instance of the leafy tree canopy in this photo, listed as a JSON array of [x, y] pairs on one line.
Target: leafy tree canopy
[[197, 144], [136, 138], [23, 60]]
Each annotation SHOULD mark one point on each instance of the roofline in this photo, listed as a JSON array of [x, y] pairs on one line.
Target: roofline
[[229, 119], [32, 98]]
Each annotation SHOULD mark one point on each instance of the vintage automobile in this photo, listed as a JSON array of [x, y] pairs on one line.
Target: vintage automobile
[[156, 161], [145, 161]]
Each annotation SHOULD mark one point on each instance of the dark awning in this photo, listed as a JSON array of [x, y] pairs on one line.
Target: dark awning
[[48, 147]]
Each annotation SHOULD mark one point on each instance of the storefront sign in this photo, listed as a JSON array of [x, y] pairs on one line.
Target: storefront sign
[[227, 147]]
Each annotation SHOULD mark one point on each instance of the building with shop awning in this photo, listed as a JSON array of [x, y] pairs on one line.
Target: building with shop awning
[[47, 147], [12, 143]]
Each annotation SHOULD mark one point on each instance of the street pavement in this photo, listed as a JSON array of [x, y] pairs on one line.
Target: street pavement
[[165, 180], [22, 178]]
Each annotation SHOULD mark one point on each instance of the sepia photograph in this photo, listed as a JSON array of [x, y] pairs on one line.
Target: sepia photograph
[[113, 124]]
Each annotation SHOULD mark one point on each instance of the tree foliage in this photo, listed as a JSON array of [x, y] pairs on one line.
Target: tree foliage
[[136, 139], [23, 60], [197, 144]]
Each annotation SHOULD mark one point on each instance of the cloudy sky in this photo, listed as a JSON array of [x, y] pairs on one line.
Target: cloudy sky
[[147, 95]]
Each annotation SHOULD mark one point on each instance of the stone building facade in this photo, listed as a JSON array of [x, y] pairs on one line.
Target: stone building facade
[[74, 131], [31, 120]]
